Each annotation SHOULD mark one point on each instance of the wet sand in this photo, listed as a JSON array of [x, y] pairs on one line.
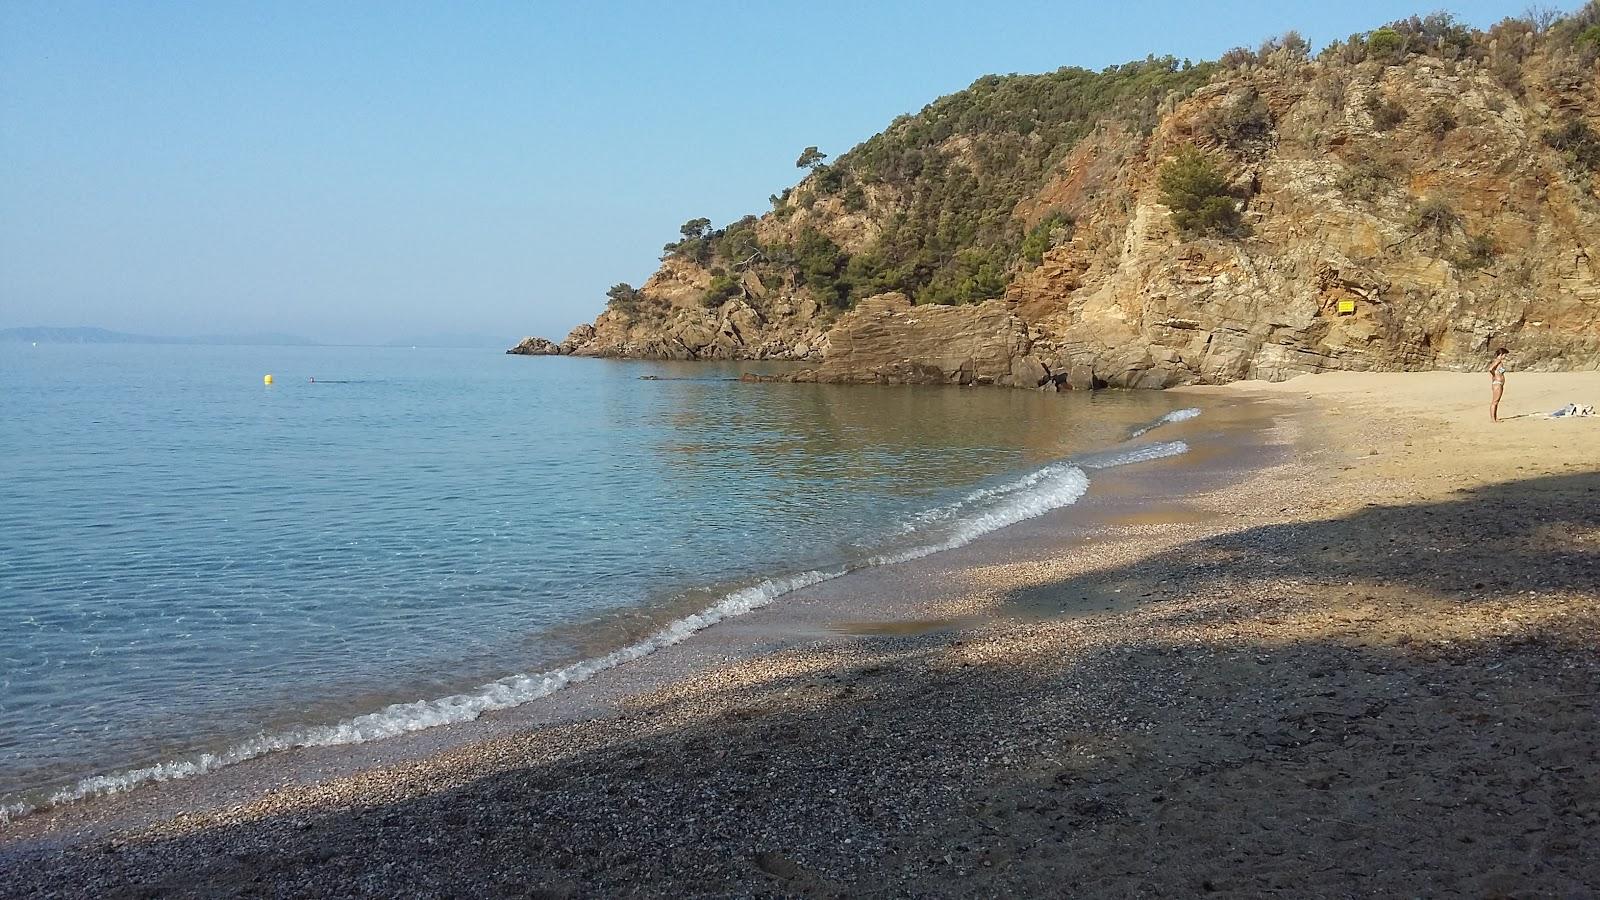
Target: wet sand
[[1363, 663]]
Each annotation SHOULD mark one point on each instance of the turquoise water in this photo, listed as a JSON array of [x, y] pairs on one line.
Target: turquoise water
[[192, 562]]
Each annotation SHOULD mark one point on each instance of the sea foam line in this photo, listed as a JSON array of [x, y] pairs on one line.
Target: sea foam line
[[1034, 494], [1177, 415]]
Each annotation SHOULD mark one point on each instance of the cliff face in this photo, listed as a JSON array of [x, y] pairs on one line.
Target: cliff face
[[670, 321], [1129, 302], [1403, 213]]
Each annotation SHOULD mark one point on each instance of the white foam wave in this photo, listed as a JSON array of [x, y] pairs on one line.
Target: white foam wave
[[1033, 495], [401, 718], [1177, 415], [992, 508], [1143, 453]]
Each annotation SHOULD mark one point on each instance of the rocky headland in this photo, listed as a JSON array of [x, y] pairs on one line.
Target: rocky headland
[[1404, 200]]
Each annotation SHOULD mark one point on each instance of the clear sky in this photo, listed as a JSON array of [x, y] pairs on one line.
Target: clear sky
[[363, 171]]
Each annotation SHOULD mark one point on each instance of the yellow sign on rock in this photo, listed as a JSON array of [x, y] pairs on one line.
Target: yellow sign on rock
[[1346, 307]]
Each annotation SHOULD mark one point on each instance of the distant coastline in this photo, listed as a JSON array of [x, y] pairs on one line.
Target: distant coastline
[[45, 335], [91, 335]]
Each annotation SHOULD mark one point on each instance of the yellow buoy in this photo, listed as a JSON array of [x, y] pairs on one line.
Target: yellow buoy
[[266, 379]]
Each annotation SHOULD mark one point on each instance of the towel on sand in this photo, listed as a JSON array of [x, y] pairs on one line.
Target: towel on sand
[[1572, 409]]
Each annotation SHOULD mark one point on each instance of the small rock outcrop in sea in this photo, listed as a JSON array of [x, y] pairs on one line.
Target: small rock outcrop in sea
[[1390, 205], [537, 346]]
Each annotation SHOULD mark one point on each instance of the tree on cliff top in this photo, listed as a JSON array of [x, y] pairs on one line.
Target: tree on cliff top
[[696, 243], [810, 158], [1193, 187], [622, 297]]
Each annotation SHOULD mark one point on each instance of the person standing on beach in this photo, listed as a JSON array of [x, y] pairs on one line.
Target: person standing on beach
[[1497, 382]]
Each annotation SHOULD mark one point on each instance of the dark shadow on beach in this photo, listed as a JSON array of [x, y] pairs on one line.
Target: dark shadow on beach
[[1088, 758]]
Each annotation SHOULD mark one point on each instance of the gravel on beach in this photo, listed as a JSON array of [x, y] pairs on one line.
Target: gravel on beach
[[1371, 669]]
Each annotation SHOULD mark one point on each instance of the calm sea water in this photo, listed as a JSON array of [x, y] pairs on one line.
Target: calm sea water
[[194, 563]]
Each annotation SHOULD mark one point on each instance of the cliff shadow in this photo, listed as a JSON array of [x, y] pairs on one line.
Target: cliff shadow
[[1528, 535]]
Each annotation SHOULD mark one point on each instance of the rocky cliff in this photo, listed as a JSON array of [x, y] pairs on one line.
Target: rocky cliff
[[1389, 207]]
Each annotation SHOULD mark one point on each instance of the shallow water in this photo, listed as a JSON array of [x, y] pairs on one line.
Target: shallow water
[[191, 561]]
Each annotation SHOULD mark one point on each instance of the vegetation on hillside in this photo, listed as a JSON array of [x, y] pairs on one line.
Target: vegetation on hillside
[[940, 190], [1194, 188], [953, 175]]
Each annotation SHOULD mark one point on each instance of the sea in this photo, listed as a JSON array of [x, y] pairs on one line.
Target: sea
[[198, 568]]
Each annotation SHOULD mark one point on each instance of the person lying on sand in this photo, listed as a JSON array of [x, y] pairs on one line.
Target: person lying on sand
[[1497, 382]]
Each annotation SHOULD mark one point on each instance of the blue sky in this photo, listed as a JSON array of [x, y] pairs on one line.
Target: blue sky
[[363, 171]]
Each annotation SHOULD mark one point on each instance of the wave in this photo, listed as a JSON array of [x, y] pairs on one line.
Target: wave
[[953, 525], [1177, 415]]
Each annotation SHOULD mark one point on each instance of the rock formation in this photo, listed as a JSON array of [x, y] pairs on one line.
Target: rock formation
[[887, 340], [1399, 213], [537, 346]]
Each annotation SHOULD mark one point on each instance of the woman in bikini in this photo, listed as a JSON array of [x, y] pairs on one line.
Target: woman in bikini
[[1497, 382]]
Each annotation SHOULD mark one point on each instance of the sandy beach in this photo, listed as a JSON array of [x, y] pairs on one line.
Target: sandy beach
[[1365, 666]]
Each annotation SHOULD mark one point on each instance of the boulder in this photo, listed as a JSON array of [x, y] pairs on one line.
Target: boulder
[[1028, 371]]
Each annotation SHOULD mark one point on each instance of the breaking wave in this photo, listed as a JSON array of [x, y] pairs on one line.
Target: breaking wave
[[1177, 415], [947, 527]]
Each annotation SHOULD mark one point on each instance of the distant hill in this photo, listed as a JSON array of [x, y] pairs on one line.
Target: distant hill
[[105, 336]]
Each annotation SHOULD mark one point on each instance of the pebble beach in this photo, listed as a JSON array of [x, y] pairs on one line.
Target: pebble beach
[[1367, 665]]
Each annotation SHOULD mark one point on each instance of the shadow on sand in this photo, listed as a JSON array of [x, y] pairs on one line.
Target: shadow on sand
[[1411, 730]]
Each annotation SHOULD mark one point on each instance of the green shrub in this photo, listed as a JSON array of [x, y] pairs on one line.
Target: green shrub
[[828, 179], [1237, 58], [623, 298], [810, 158], [1369, 173], [719, 290], [1578, 143], [1438, 120], [1480, 251], [1291, 41], [820, 265], [1053, 230], [1331, 88], [1580, 30], [1384, 44], [1437, 34], [855, 198], [1350, 52], [695, 244], [1434, 216], [1243, 120], [1386, 114], [977, 274], [1194, 188]]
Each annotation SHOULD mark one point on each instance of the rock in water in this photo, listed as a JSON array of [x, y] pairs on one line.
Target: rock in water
[[537, 346]]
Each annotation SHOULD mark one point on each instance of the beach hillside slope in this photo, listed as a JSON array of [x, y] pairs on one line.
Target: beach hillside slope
[[1406, 199]]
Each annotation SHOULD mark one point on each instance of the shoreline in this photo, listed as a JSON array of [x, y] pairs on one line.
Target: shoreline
[[994, 696], [802, 614]]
